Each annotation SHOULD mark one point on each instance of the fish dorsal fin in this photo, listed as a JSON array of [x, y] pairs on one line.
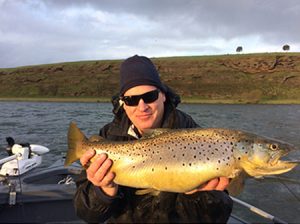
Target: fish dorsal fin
[[236, 185], [151, 133], [96, 138], [150, 191]]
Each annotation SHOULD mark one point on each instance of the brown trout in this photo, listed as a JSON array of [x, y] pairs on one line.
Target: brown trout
[[180, 160]]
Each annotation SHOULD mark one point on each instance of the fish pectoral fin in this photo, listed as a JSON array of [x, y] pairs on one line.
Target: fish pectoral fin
[[151, 133], [96, 138], [236, 185], [150, 191]]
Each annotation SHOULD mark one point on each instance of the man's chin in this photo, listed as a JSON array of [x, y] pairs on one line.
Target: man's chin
[[145, 127]]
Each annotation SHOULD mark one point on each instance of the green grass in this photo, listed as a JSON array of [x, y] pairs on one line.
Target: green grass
[[237, 78]]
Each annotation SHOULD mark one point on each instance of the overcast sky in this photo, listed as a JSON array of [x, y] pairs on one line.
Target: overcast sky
[[49, 31]]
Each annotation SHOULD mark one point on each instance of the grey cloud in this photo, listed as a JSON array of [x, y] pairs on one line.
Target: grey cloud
[[230, 17], [36, 31]]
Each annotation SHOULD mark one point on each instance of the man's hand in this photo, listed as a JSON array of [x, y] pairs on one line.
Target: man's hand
[[98, 172], [218, 184]]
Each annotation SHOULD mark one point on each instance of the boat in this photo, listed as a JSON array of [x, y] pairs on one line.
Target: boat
[[30, 194], [40, 196]]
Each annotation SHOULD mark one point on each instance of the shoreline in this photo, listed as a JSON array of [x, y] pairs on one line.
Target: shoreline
[[108, 100]]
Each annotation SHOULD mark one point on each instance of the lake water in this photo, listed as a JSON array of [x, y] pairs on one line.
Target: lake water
[[47, 124]]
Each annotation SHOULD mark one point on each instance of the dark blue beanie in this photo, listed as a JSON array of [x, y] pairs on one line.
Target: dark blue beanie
[[139, 70]]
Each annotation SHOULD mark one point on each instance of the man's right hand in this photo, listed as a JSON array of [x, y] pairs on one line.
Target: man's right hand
[[98, 172]]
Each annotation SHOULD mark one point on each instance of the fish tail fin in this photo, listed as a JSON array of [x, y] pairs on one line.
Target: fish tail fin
[[75, 139]]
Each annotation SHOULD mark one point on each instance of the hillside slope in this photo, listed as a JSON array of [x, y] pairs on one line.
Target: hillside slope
[[245, 78]]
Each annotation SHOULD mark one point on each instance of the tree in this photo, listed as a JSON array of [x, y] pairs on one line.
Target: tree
[[239, 49], [286, 47]]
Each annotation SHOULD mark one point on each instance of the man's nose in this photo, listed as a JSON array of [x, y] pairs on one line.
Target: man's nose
[[142, 106]]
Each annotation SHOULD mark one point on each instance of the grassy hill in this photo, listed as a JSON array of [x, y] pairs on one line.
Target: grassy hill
[[240, 78]]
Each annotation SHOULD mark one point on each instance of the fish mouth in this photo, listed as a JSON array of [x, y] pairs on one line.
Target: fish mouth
[[275, 157], [284, 166], [279, 166]]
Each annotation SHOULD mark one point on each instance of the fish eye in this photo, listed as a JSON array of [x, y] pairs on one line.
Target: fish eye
[[273, 146]]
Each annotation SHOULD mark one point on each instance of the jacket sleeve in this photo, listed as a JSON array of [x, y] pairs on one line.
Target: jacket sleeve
[[204, 207], [88, 205], [92, 205]]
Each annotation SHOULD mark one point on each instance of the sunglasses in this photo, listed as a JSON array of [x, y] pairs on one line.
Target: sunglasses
[[148, 97]]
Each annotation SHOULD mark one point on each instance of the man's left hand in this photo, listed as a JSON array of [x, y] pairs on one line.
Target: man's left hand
[[218, 184]]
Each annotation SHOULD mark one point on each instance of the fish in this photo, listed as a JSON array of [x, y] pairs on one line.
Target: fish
[[181, 160]]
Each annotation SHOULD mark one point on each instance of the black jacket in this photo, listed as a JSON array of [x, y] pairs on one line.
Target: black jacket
[[93, 206]]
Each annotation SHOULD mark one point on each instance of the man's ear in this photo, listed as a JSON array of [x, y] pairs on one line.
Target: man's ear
[[164, 96]]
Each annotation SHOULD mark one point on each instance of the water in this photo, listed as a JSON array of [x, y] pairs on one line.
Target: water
[[47, 124]]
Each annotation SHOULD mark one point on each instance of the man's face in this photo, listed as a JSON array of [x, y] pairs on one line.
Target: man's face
[[145, 115]]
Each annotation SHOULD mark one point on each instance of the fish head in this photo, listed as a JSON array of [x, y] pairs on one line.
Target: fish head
[[262, 156]]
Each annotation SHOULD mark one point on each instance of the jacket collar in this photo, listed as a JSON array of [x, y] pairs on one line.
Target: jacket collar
[[122, 126]]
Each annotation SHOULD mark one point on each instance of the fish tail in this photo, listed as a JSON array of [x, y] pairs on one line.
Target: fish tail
[[75, 139]]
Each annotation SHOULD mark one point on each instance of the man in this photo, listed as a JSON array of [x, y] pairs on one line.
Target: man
[[144, 103]]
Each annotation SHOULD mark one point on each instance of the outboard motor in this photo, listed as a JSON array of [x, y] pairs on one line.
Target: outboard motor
[[23, 157], [10, 143]]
